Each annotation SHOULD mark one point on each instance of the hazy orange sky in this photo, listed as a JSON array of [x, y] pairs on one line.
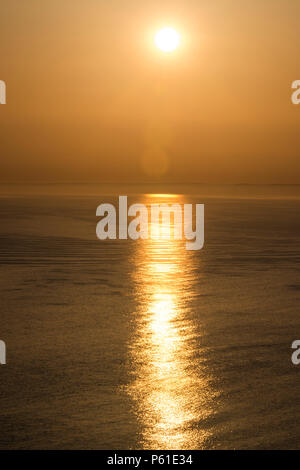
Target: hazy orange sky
[[90, 98]]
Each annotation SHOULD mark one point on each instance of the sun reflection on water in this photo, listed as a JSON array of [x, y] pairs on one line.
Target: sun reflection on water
[[169, 390]]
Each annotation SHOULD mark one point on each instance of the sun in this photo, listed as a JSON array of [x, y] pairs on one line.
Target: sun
[[167, 39]]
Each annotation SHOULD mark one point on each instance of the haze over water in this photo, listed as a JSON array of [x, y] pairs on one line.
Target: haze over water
[[142, 344]]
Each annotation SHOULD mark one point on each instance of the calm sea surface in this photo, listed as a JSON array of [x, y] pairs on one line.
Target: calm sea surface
[[142, 344]]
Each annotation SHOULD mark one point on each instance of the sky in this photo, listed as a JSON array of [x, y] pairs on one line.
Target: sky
[[91, 99]]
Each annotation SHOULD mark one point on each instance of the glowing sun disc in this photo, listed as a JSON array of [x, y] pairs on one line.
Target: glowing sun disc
[[167, 39]]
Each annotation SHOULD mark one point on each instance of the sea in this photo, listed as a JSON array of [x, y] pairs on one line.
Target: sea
[[123, 344]]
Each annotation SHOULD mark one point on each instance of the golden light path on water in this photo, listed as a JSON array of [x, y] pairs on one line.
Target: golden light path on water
[[171, 392]]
